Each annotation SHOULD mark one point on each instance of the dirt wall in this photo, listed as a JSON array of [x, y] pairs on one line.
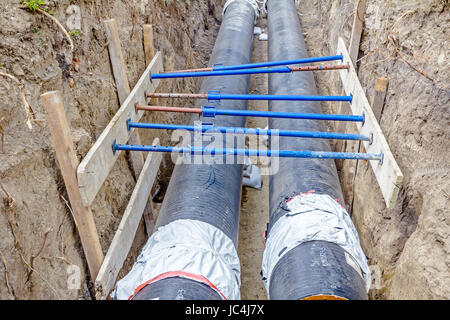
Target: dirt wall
[[34, 50], [408, 246]]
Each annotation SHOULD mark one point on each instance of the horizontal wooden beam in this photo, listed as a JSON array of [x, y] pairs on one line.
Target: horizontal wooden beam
[[95, 167], [123, 239], [388, 174]]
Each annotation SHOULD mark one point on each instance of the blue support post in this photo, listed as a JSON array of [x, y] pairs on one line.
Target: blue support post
[[189, 74], [221, 96], [209, 111], [279, 63], [252, 152], [252, 131]]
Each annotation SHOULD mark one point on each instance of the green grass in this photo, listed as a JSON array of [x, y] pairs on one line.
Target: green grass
[[33, 4], [74, 33]]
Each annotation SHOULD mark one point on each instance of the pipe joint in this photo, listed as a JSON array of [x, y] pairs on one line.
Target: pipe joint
[[128, 124], [209, 111], [214, 95], [114, 147]]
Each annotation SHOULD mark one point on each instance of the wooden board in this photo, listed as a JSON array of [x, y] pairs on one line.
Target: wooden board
[[377, 101], [388, 174], [357, 27], [123, 239], [123, 90], [68, 163], [119, 69], [148, 43], [117, 62], [95, 167]]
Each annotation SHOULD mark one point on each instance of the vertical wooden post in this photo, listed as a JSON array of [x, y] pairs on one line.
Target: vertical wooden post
[[148, 43], [353, 49], [118, 63], [68, 163], [377, 102], [149, 216], [351, 146], [123, 90], [358, 22]]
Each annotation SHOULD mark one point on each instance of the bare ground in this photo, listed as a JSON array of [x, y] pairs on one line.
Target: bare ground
[[255, 204]]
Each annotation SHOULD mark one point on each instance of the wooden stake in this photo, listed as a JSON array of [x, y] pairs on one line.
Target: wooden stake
[[377, 101], [123, 90], [123, 87], [149, 217], [148, 43], [68, 163], [358, 22], [118, 63], [357, 28]]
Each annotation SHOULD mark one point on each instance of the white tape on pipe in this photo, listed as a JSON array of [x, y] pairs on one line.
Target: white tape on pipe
[[313, 217], [253, 3], [191, 246]]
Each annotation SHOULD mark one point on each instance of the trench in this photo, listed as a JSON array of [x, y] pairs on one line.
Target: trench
[[254, 204], [310, 247], [411, 254]]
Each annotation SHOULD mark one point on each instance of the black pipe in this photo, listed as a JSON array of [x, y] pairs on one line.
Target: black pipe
[[211, 193], [291, 277], [177, 288]]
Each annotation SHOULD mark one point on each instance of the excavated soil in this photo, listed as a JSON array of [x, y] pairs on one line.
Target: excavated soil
[[34, 50], [255, 204]]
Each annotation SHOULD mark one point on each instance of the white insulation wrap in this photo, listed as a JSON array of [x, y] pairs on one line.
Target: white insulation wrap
[[253, 3], [314, 217], [186, 245]]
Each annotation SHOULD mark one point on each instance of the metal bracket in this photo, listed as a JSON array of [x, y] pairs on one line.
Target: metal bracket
[[214, 100]]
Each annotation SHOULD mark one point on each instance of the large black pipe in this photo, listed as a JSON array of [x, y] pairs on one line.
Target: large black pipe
[[293, 277], [211, 193]]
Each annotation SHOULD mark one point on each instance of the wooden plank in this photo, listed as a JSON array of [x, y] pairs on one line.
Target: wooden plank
[[95, 167], [149, 217], [123, 89], [349, 168], [388, 174], [355, 39], [68, 163], [123, 239], [118, 63], [148, 43], [357, 27], [377, 101]]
